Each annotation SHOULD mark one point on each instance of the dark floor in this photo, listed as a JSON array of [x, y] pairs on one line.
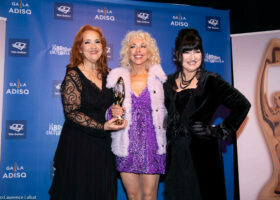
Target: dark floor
[[245, 15]]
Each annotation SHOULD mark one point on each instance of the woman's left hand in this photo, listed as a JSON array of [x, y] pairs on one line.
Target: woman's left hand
[[218, 131], [111, 125]]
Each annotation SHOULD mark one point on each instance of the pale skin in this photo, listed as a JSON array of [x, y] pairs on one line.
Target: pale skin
[[191, 61], [91, 49], [138, 186]]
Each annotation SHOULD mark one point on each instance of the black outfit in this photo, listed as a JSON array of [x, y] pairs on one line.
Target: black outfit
[[84, 164], [194, 163]]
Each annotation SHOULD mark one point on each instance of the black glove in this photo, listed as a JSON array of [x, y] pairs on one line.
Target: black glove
[[219, 131]]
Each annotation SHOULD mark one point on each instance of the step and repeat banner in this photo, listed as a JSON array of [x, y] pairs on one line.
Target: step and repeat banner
[[39, 37]]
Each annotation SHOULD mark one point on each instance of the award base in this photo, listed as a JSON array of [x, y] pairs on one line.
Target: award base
[[119, 121]]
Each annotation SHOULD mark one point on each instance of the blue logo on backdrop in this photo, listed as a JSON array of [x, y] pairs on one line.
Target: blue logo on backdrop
[[16, 129], [20, 7], [56, 88], [104, 14], [59, 50], [63, 11], [143, 17], [54, 129], [17, 88], [110, 51], [211, 58], [14, 171], [19, 47], [213, 23], [179, 20]]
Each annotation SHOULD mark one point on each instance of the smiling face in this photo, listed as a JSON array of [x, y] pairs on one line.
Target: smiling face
[[191, 60], [138, 52], [91, 47]]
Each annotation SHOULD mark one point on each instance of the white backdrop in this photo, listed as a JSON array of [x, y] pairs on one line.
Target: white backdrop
[[255, 163], [2, 60]]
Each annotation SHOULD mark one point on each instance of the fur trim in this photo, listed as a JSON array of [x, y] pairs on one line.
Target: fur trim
[[157, 103], [156, 70], [156, 77], [120, 139]]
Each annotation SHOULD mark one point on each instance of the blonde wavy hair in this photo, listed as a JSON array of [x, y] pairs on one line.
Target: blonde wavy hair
[[148, 40]]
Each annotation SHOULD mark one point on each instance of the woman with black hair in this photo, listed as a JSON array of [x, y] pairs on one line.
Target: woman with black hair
[[192, 95]]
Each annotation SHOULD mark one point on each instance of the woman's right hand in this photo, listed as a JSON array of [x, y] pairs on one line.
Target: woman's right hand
[[117, 110], [111, 125]]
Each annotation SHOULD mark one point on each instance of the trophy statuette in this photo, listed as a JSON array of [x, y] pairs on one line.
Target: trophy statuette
[[119, 95]]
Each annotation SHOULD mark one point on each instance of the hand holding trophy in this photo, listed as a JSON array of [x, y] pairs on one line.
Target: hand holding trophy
[[119, 95]]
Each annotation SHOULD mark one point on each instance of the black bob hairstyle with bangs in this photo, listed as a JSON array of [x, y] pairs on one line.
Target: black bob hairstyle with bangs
[[188, 39]]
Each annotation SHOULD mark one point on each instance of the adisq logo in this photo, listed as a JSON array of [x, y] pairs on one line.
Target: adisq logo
[[14, 171], [104, 14], [17, 88], [179, 20], [20, 7]]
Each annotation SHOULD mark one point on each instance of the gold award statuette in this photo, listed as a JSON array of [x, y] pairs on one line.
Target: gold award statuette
[[269, 116], [119, 94]]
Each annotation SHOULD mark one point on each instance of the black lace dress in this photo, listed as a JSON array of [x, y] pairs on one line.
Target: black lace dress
[[84, 164]]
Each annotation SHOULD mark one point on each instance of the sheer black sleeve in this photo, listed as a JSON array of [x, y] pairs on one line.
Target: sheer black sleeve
[[71, 88]]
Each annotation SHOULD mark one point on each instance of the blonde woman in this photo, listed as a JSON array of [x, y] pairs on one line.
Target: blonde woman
[[140, 148]]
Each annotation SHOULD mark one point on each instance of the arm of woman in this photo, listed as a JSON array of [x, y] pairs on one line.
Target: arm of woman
[[234, 100], [224, 94], [71, 100]]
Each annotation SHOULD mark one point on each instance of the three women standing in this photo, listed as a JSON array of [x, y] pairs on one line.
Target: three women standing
[[85, 166], [141, 147]]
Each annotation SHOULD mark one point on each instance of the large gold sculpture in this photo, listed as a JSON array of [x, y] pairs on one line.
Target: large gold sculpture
[[269, 118]]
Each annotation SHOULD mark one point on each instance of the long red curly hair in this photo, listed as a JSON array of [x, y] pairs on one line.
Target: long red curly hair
[[76, 57]]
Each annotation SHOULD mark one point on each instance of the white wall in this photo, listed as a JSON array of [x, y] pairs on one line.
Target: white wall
[[2, 61]]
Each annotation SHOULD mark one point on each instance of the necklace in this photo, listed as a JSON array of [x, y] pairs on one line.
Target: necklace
[[185, 83]]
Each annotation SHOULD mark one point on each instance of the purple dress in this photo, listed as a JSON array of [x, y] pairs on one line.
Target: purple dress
[[142, 151]]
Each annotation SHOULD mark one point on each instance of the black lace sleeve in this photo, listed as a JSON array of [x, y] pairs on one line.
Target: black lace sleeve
[[71, 88]]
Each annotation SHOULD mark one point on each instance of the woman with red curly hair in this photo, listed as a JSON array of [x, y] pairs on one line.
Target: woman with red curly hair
[[83, 162]]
